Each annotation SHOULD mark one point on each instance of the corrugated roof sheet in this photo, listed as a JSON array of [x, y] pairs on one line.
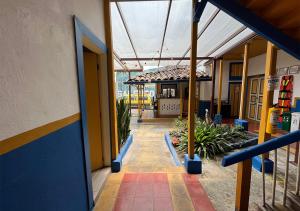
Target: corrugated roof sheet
[[168, 73]]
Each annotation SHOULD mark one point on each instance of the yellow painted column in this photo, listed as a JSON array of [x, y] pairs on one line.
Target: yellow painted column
[[139, 101], [143, 100], [192, 86], [181, 99], [244, 82], [111, 82], [129, 94], [270, 70], [220, 87]]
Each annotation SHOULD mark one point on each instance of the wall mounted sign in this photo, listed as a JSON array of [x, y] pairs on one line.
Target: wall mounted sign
[[282, 71], [294, 69], [273, 83]]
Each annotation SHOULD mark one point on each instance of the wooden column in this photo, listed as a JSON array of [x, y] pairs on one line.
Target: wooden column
[[143, 96], [220, 87], [192, 87], [244, 82], [129, 94], [139, 102], [270, 70], [111, 82], [181, 99], [213, 79], [243, 185]]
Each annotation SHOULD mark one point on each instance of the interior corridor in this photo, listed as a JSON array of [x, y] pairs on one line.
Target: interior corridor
[[149, 179]]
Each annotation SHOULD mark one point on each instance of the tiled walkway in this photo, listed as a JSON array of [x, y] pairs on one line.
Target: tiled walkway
[[149, 179]]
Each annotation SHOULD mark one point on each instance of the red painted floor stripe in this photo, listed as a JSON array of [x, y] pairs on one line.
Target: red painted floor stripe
[[144, 191], [198, 195]]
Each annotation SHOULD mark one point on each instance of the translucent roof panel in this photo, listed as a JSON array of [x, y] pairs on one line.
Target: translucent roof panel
[[222, 27], [145, 21], [121, 41], [117, 66], [246, 34], [177, 39]]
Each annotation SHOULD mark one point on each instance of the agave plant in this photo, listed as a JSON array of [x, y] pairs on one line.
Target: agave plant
[[210, 139], [123, 121]]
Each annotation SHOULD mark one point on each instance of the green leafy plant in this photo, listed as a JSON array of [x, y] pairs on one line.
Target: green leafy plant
[[210, 139], [123, 121]]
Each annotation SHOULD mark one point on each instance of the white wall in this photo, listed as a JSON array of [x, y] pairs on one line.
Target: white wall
[[257, 66], [38, 74], [205, 89]]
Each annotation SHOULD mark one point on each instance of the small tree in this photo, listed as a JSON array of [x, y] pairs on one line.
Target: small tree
[[123, 121]]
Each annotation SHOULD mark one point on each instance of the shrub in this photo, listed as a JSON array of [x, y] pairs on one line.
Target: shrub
[[123, 121], [210, 139]]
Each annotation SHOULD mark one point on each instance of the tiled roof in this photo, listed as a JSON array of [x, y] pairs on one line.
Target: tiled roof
[[168, 73]]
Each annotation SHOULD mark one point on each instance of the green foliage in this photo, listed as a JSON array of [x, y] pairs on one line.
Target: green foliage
[[210, 139], [123, 121]]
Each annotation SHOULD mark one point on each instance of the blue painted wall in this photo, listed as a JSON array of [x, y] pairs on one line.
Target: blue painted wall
[[297, 107], [47, 174]]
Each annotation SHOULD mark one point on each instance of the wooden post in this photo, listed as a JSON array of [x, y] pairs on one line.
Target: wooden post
[[129, 95], [139, 102], [243, 185], [212, 100], [220, 87], [143, 97], [270, 70], [181, 99], [244, 82], [111, 82], [192, 86]]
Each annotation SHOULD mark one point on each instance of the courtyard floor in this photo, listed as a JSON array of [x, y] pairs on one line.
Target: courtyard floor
[[150, 180]]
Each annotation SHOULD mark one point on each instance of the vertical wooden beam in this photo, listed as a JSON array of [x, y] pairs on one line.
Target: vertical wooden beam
[[243, 185], [111, 82], [129, 95], [270, 70], [220, 87], [244, 82], [213, 81], [181, 99], [143, 96], [139, 102], [192, 86]]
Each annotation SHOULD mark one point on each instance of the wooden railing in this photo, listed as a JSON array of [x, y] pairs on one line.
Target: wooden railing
[[244, 160]]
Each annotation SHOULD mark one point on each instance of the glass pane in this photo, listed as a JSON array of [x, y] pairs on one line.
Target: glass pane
[[145, 21]]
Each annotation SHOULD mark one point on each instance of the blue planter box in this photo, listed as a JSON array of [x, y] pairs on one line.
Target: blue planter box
[[117, 163]]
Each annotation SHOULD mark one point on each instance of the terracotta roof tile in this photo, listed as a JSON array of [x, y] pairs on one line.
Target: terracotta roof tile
[[168, 73]]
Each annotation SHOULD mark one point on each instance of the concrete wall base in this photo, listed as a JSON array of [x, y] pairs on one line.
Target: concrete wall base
[[257, 164], [116, 164], [193, 166]]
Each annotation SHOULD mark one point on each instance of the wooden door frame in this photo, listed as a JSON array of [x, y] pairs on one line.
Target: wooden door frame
[[229, 83], [96, 151], [248, 95], [85, 38]]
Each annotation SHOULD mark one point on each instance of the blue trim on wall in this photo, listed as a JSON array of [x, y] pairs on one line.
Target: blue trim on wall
[[297, 106], [258, 25], [172, 149], [117, 163], [82, 31], [47, 174]]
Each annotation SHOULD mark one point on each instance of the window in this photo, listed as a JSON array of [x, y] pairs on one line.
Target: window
[[169, 90]]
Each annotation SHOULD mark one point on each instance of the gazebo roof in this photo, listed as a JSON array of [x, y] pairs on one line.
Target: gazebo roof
[[177, 73]]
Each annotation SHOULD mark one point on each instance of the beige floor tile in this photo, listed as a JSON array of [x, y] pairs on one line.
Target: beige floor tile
[[110, 190], [105, 204]]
